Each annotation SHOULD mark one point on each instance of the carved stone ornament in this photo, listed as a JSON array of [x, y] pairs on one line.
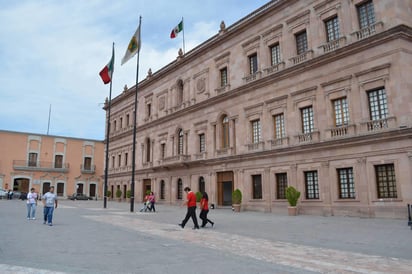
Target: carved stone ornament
[[201, 85]]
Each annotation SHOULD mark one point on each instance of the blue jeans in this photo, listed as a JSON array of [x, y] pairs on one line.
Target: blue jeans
[[31, 210], [48, 214]]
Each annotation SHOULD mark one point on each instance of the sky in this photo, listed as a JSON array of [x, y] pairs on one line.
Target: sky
[[51, 53]]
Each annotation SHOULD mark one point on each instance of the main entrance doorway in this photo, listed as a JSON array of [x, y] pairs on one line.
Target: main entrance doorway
[[224, 188], [147, 187]]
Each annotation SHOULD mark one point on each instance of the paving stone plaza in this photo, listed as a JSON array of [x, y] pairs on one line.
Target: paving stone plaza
[[86, 238]]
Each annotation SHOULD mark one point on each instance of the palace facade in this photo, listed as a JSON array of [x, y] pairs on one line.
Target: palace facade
[[315, 94], [71, 165]]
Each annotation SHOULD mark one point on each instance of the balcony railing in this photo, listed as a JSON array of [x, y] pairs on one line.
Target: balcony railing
[[256, 146], [341, 131], [308, 137], [40, 166], [332, 45], [302, 57], [252, 77], [87, 169], [274, 68], [279, 142], [378, 125], [368, 31]]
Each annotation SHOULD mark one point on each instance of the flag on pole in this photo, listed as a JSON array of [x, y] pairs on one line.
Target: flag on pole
[[133, 47], [107, 72], [176, 30]]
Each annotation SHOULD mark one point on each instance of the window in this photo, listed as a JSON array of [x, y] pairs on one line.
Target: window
[[148, 149], [253, 65], [257, 186], [149, 110], [202, 143], [114, 125], [202, 187], [32, 159], [256, 132], [279, 126], [281, 185], [162, 150], [366, 14], [346, 183], [307, 119], [162, 190], [223, 77], [87, 163], [180, 142], [126, 157], [311, 185], [225, 132], [58, 161], [119, 163], [378, 105], [274, 54], [127, 120], [121, 122], [340, 107], [179, 92], [386, 181], [113, 161], [301, 42], [179, 189], [332, 29]]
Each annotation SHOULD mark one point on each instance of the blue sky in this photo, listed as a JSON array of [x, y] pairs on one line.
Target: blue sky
[[52, 51]]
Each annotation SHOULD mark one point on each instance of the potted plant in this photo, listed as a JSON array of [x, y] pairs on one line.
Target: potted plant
[[128, 194], [198, 196], [292, 195], [119, 194], [236, 200], [109, 194]]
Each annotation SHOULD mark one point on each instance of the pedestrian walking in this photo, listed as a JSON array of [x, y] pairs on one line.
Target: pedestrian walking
[[204, 207], [31, 204], [49, 203], [152, 200], [191, 208]]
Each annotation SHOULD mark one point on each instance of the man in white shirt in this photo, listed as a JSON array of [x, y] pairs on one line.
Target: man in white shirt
[[31, 204], [50, 203]]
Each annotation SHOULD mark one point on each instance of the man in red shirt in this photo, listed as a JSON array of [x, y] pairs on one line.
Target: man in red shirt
[[191, 208]]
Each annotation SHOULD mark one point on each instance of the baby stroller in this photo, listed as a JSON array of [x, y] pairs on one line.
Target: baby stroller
[[146, 206]]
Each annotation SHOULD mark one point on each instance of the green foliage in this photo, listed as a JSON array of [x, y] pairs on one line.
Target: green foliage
[[118, 193], [128, 193], [148, 192], [108, 193], [237, 196], [292, 195], [198, 196]]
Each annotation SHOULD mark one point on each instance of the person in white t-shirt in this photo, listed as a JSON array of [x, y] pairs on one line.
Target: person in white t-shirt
[[31, 204], [50, 203]]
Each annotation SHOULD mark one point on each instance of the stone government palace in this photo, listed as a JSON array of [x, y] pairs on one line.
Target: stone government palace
[[315, 94]]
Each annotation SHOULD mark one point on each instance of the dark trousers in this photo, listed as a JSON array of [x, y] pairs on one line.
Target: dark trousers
[[203, 216], [191, 212]]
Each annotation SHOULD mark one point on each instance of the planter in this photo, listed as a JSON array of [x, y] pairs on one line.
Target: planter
[[236, 207], [292, 210]]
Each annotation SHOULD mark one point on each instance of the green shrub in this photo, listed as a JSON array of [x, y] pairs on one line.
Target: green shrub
[[198, 196], [237, 196], [292, 195], [118, 193]]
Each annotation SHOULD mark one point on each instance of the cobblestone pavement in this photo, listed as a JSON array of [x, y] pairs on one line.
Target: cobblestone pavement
[[86, 238]]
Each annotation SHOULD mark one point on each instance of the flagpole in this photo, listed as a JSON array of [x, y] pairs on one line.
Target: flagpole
[[183, 25], [135, 124], [106, 169]]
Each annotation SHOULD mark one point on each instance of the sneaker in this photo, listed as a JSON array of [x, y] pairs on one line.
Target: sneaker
[[33, 218], [182, 226], [50, 224], [28, 218]]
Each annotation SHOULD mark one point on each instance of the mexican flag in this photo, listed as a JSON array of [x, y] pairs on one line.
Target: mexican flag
[[176, 30], [107, 72]]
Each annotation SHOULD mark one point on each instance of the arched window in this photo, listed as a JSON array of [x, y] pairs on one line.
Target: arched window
[[162, 190], [202, 187], [179, 194], [179, 99], [180, 142], [225, 132]]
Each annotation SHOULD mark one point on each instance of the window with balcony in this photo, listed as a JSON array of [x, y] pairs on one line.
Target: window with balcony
[[256, 131], [58, 161], [162, 150], [223, 77], [148, 110], [366, 14], [307, 120], [279, 126], [32, 159], [202, 143], [346, 183], [301, 42], [332, 29], [180, 136], [87, 163], [281, 185], [386, 181], [341, 112], [275, 54], [253, 64], [225, 132], [257, 186], [378, 105], [311, 185]]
